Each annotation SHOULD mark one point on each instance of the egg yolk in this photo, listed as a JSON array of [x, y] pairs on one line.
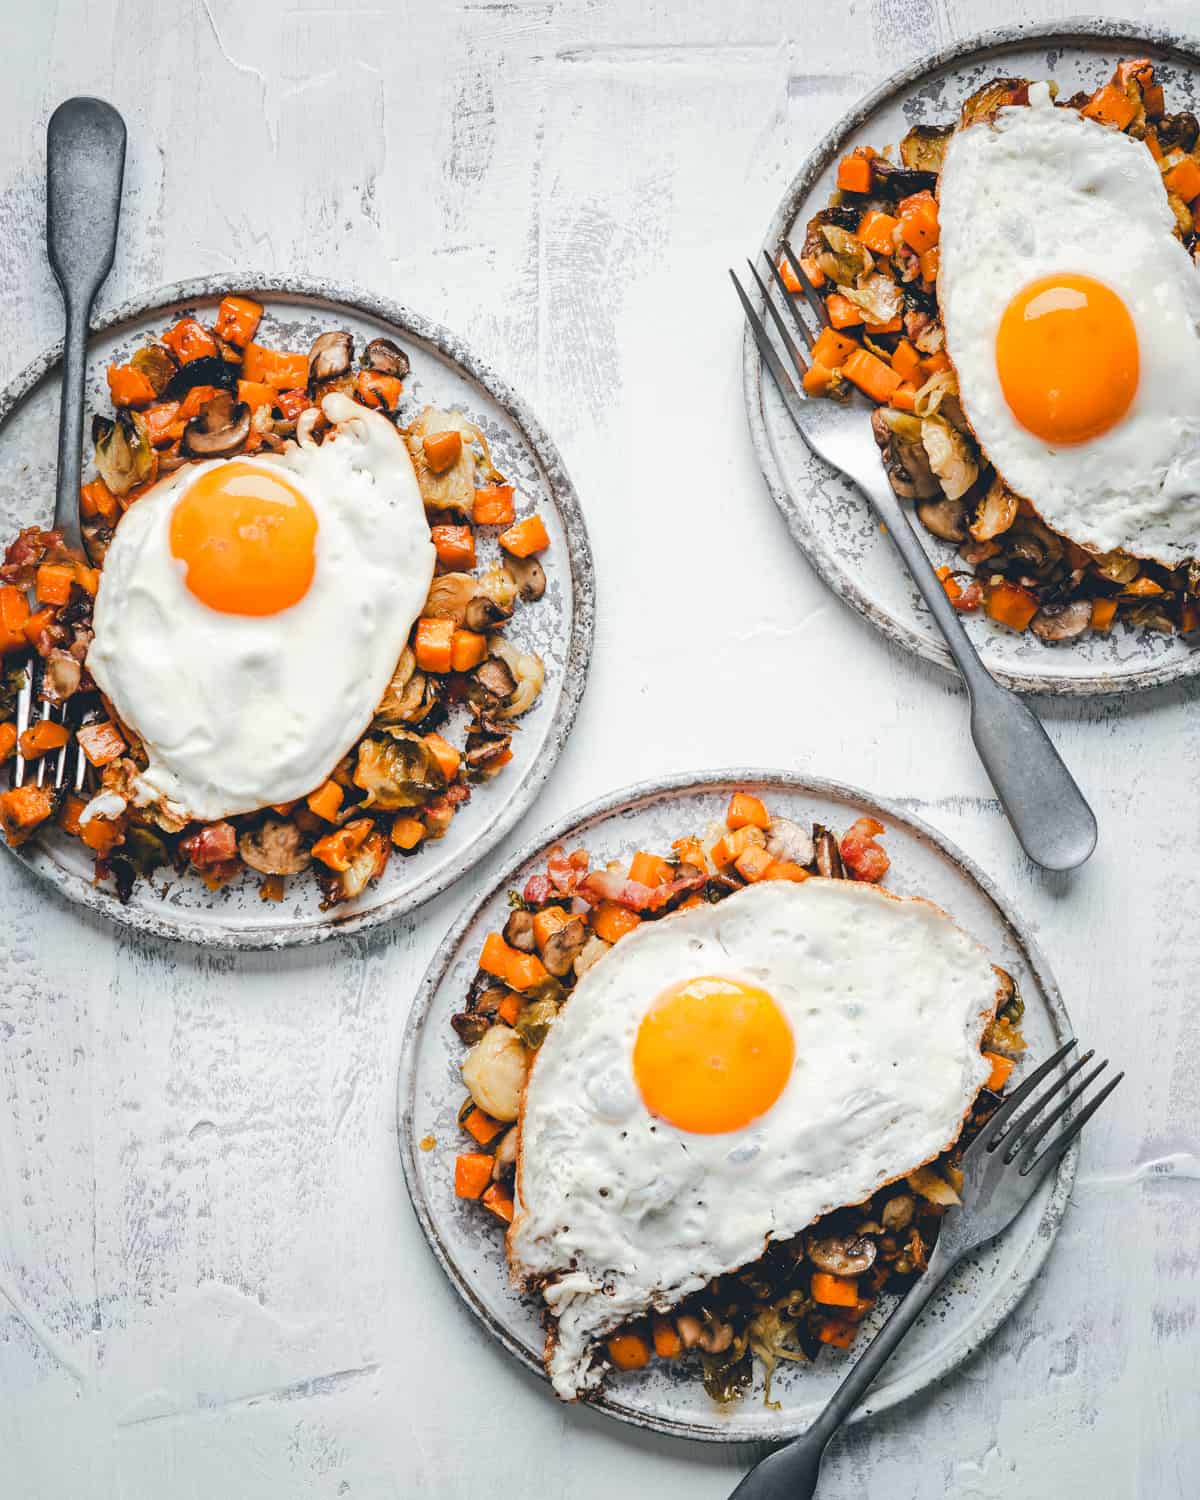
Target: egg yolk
[[712, 1054], [1067, 357], [247, 538]]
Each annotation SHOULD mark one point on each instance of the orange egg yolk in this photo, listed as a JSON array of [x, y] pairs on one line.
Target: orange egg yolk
[[247, 538], [1067, 357], [712, 1055]]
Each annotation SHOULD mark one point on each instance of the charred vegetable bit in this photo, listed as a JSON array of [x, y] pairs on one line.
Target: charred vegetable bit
[[873, 255], [450, 713], [803, 1294]]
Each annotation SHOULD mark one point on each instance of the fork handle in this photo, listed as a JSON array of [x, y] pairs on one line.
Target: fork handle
[[791, 1473], [1048, 812], [85, 168]]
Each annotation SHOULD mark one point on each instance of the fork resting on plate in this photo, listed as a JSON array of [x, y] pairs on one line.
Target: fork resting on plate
[[1048, 812], [1002, 1168]]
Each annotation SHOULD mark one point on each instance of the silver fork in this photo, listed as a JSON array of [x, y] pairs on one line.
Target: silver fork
[[1002, 1168], [85, 168], [1048, 812]]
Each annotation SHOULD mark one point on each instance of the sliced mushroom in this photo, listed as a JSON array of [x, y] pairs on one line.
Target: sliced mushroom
[[841, 1255], [518, 930], [450, 594], [483, 615], [494, 1072], [898, 1211], [564, 947], [274, 848], [899, 437], [996, 512], [330, 355], [494, 676], [1062, 622], [829, 859], [945, 518], [788, 841], [903, 178], [530, 577], [485, 743], [221, 428], [210, 369], [386, 358], [528, 672]]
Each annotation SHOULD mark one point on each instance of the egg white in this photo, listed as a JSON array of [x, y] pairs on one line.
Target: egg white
[[618, 1212], [1042, 190], [236, 711]]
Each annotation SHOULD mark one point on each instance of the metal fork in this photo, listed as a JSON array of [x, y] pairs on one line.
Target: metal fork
[[85, 169], [1002, 1168], [1048, 812]]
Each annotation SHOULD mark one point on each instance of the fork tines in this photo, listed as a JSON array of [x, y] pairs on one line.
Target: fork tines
[[1018, 1130], [802, 327]]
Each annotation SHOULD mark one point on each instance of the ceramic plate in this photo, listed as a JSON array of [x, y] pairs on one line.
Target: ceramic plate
[[670, 1397], [829, 519], [558, 627]]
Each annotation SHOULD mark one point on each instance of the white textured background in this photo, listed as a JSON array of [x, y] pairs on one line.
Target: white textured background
[[211, 1284]]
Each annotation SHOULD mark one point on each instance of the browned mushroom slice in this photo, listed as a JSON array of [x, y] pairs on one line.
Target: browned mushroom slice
[[330, 355], [829, 859], [470, 1026], [841, 1255], [483, 614], [486, 741], [1062, 622], [386, 358], [209, 369], [274, 848], [563, 947], [898, 435], [221, 428], [900, 179], [529, 575], [518, 930], [945, 518], [898, 1212], [494, 676]]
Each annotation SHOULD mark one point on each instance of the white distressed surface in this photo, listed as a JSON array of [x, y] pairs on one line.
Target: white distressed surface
[[210, 1280]]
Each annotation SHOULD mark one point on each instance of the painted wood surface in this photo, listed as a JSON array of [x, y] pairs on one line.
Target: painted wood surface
[[211, 1283]]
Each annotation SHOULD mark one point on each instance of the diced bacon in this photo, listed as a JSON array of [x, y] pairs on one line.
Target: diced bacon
[[214, 844], [604, 885], [537, 889], [566, 870], [862, 856]]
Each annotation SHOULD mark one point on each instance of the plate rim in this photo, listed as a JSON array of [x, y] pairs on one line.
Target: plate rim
[[1072, 31], [321, 291], [575, 822]]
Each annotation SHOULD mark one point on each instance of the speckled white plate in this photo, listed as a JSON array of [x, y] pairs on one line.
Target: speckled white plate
[[558, 627], [827, 517], [670, 1398]]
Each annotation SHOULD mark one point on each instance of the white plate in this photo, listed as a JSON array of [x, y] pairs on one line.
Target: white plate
[[670, 1398], [825, 514], [558, 627]]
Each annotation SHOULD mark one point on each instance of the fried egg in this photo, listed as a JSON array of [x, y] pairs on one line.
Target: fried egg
[[251, 612], [724, 1076], [1072, 318]]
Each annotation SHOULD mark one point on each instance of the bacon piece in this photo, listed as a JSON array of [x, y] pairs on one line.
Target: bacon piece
[[537, 889], [862, 856], [566, 870], [214, 844], [604, 885]]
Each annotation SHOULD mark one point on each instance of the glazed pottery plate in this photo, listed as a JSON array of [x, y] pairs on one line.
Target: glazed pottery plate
[[558, 627], [826, 515], [669, 1397]]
